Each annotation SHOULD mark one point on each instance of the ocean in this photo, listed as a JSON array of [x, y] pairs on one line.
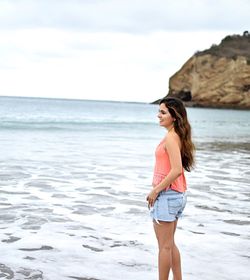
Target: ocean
[[74, 176]]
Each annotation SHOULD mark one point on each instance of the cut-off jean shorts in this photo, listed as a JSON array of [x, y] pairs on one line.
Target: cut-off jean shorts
[[168, 206]]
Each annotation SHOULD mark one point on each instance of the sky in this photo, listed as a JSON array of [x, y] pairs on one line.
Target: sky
[[121, 50]]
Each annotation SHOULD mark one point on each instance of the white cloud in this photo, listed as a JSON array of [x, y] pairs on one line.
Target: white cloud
[[112, 49], [115, 66], [133, 16]]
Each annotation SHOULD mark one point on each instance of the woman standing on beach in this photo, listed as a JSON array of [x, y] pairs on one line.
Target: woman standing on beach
[[167, 199]]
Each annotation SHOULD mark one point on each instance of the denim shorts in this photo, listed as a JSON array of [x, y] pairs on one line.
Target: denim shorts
[[168, 206]]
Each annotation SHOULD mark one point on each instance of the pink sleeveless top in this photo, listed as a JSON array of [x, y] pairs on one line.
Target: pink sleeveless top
[[163, 167]]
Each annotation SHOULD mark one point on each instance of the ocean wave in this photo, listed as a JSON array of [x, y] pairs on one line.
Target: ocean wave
[[69, 125]]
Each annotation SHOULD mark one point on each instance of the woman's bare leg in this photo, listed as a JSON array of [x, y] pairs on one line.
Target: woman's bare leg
[[176, 259], [165, 235]]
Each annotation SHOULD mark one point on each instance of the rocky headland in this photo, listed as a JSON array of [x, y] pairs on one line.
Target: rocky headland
[[218, 77]]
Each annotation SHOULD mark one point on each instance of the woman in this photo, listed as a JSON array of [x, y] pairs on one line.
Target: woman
[[167, 199]]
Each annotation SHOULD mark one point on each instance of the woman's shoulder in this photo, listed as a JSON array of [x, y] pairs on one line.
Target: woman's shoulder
[[172, 138], [172, 135]]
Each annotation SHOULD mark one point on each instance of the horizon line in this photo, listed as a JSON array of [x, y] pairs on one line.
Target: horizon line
[[73, 99]]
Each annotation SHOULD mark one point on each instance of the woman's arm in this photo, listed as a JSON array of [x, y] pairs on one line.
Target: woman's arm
[[172, 146], [173, 149]]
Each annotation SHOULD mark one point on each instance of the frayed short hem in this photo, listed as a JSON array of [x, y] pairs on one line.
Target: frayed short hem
[[158, 221]]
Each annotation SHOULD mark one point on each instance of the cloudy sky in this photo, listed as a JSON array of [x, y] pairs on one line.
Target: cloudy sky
[[122, 50]]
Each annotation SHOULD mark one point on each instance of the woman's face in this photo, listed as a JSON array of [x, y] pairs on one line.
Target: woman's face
[[166, 120]]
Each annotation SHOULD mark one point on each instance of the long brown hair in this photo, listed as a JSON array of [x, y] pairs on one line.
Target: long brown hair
[[182, 127]]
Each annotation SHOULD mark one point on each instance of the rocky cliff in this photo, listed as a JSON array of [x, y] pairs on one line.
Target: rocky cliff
[[218, 77]]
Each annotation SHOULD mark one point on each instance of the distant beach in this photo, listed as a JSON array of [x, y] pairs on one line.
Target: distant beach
[[73, 181]]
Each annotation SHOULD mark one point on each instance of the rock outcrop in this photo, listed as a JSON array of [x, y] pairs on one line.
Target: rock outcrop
[[218, 77]]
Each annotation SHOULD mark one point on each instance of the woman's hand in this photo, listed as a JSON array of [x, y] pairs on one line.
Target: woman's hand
[[151, 198]]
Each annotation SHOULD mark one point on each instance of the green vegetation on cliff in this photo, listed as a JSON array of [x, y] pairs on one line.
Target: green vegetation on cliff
[[230, 47]]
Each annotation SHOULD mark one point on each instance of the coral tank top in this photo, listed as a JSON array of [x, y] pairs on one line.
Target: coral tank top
[[163, 167]]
